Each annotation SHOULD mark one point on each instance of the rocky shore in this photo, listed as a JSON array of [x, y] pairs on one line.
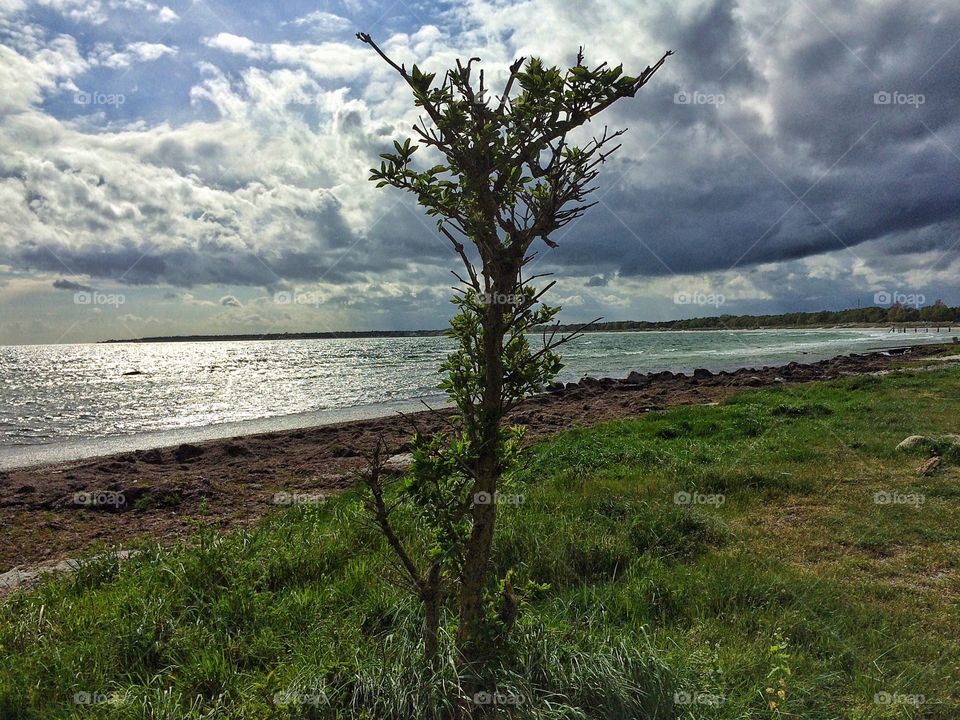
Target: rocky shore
[[54, 512]]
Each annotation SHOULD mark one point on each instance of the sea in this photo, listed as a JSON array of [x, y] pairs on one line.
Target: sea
[[65, 402]]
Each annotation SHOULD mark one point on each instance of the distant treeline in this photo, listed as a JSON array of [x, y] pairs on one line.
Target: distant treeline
[[345, 335], [936, 313]]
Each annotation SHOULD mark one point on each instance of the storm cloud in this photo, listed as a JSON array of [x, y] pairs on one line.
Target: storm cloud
[[791, 154]]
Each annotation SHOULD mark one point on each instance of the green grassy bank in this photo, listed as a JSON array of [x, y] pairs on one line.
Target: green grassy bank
[[772, 556]]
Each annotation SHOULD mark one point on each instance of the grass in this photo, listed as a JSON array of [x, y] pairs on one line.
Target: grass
[[695, 559]]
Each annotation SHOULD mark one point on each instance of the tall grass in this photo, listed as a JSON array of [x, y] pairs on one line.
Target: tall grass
[[653, 607]]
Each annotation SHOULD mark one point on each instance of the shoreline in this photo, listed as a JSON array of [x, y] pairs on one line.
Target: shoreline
[[18, 457], [232, 482], [148, 427], [894, 328]]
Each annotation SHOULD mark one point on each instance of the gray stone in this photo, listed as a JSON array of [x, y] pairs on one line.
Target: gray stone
[[28, 576], [399, 463], [914, 441]]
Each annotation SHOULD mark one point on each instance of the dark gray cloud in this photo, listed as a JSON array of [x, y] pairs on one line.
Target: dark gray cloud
[[71, 286], [796, 151], [815, 149]]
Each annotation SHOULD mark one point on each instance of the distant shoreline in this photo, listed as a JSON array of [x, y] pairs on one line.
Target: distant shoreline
[[617, 327]]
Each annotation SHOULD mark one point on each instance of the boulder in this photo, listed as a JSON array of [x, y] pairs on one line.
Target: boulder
[[635, 378], [914, 441], [25, 577], [152, 457], [400, 462], [186, 452], [702, 374], [236, 449]]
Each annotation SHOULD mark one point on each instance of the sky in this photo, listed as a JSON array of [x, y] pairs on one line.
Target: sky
[[200, 166]]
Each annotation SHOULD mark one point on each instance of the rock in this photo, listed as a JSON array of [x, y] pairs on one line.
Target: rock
[[399, 463], [572, 386], [133, 372], [555, 387], [152, 457], [589, 382], [929, 466], [187, 452], [914, 441], [24, 577], [753, 381], [635, 378], [235, 449], [702, 373]]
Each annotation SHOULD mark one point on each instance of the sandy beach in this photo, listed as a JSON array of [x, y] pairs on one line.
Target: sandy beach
[[164, 493]]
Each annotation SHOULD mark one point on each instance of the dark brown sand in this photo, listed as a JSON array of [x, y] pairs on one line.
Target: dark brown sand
[[230, 483]]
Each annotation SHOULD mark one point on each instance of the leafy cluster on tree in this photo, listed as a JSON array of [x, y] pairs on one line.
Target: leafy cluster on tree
[[501, 174]]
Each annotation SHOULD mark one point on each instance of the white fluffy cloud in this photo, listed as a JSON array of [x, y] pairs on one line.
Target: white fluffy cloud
[[239, 155]]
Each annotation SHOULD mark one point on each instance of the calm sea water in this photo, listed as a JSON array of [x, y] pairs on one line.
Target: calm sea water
[[65, 393]]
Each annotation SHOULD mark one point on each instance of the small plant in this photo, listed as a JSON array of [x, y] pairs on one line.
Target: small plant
[[779, 676]]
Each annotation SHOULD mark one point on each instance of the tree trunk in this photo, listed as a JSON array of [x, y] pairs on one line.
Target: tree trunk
[[431, 613], [473, 636]]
